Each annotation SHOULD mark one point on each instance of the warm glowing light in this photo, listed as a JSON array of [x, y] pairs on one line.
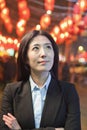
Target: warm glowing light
[[82, 4], [22, 29], [5, 11], [80, 48], [77, 18], [63, 25], [70, 22], [45, 21], [56, 30], [52, 34], [1, 1], [9, 40], [38, 27], [2, 5], [15, 41], [62, 35], [18, 45], [49, 12], [22, 22], [66, 34], [7, 20], [55, 38], [1, 48], [4, 40]]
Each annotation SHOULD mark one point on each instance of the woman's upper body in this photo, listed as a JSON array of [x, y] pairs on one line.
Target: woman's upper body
[[38, 65], [61, 108]]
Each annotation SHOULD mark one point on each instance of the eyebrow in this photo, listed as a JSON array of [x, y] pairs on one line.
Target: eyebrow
[[36, 44]]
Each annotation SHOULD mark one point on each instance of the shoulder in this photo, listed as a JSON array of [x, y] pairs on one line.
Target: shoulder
[[66, 85], [13, 88], [14, 85], [69, 91]]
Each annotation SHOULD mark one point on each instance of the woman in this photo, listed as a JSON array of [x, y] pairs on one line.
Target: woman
[[39, 101]]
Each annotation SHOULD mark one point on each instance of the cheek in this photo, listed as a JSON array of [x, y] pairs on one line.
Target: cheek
[[52, 55], [31, 58]]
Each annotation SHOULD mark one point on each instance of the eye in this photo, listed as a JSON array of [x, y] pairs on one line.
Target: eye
[[35, 48], [49, 47]]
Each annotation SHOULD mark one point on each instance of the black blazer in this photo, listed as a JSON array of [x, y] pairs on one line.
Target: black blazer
[[61, 107]]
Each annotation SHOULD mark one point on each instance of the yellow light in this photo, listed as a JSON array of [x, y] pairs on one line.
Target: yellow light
[[49, 12], [22, 22], [4, 39], [80, 48], [38, 27], [15, 41], [82, 4], [5, 11], [56, 30], [66, 34], [18, 45], [62, 35], [9, 40]]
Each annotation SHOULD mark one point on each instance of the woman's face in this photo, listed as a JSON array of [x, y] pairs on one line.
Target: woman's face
[[40, 54]]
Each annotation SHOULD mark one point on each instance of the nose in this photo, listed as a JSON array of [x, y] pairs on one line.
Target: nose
[[43, 52]]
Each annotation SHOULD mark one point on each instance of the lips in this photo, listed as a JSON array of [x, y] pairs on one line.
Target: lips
[[43, 62]]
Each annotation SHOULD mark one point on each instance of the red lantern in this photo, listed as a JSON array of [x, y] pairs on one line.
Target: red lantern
[[8, 24], [45, 21], [49, 4], [9, 27], [25, 14], [22, 5]]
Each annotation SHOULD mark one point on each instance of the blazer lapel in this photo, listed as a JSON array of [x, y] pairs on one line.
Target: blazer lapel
[[52, 104], [24, 99]]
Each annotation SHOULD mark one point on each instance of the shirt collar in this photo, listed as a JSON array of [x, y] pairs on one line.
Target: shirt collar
[[33, 84]]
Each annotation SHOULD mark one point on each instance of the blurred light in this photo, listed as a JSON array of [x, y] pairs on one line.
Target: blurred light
[[62, 35], [10, 52], [82, 60], [80, 48], [49, 12], [18, 45], [38, 27], [56, 30], [1, 48], [10, 40], [15, 41], [5, 11]]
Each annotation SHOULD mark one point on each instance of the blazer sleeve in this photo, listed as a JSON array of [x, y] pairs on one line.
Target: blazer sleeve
[[7, 106], [73, 121]]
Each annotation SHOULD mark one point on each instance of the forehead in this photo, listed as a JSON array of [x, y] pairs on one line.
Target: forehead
[[40, 40]]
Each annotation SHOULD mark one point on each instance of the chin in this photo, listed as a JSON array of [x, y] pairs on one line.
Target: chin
[[43, 70]]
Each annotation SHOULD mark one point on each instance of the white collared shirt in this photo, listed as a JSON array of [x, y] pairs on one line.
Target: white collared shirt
[[38, 97]]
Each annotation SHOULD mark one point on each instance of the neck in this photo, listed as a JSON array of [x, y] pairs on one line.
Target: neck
[[40, 78]]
